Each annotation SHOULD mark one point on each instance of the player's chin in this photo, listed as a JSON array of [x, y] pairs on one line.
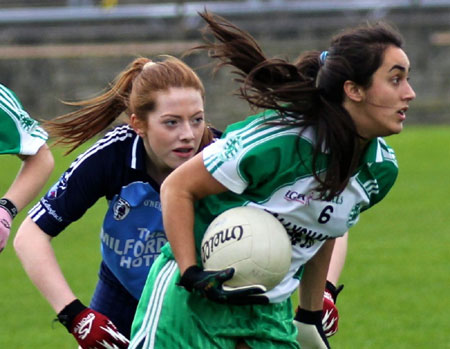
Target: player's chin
[[178, 161], [393, 129], [398, 128]]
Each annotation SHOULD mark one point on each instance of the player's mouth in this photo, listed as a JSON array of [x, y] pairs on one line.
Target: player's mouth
[[184, 152], [402, 113]]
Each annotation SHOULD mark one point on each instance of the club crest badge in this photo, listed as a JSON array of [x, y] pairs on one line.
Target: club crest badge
[[57, 189], [121, 209], [354, 215], [232, 146]]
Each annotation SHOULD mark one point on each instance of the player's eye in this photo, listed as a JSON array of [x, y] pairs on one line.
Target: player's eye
[[198, 120], [170, 122]]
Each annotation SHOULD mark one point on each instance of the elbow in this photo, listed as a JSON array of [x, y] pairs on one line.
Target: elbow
[[23, 241], [41, 163], [19, 242], [169, 184], [48, 161], [174, 189], [166, 185]]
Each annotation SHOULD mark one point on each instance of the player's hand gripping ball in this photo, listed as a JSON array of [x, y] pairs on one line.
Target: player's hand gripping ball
[[91, 329], [330, 314], [252, 242], [209, 284]]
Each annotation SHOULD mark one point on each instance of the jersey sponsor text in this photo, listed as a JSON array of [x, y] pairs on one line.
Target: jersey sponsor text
[[135, 252]]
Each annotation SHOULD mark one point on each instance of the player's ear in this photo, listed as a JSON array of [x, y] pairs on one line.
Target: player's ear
[[353, 91], [137, 124]]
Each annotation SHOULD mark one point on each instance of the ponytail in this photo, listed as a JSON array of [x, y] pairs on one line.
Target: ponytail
[[268, 83], [97, 113]]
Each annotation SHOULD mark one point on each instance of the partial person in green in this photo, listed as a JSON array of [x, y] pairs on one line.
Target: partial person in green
[[22, 136], [314, 158]]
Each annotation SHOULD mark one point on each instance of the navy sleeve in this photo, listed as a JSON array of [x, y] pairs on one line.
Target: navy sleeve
[[87, 179]]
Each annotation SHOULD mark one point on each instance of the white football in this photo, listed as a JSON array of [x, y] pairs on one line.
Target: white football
[[253, 242]]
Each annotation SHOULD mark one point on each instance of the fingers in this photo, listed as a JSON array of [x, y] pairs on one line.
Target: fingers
[[224, 275], [249, 295]]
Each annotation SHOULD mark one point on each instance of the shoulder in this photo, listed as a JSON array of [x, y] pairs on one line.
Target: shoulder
[[215, 132], [20, 133], [8, 98], [260, 139], [118, 139], [379, 171], [11, 107], [120, 135], [261, 131], [110, 151], [385, 152], [381, 158], [97, 169]]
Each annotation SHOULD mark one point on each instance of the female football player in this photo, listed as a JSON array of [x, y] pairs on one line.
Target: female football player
[[319, 136], [22, 136], [164, 101]]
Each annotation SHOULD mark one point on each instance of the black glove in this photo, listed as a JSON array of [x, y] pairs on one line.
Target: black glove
[[310, 330], [209, 284], [91, 329]]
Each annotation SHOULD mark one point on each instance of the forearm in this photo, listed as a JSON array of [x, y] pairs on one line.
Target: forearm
[[34, 250], [178, 217], [338, 259], [188, 183], [313, 280], [31, 178]]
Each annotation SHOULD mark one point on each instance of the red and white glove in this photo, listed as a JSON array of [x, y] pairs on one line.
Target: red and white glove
[[330, 314], [91, 329], [7, 213]]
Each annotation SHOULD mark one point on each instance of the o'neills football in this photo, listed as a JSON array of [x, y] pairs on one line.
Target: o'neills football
[[253, 242]]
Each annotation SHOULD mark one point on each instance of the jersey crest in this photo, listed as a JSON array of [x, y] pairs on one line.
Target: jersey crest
[[121, 209], [58, 188], [232, 147]]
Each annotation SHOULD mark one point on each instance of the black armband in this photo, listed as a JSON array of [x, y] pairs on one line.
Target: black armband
[[69, 313], [9, 206]]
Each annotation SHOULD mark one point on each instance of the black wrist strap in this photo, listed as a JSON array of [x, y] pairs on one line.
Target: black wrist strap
[[69, 313], [309, 317], [8, 206]]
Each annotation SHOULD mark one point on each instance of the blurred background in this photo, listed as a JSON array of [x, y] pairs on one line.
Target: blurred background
[[396, 275], [53, 50]]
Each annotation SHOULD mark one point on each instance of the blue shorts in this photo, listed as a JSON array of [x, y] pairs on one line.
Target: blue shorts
[[114, 301]]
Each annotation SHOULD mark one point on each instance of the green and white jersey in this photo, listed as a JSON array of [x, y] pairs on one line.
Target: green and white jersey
[[19, 133], [270, 167]]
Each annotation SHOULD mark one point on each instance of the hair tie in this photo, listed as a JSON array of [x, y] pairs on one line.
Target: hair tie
[[323, 56], [148, 64]]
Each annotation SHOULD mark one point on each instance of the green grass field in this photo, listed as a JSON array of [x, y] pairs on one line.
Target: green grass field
[[396, 277]]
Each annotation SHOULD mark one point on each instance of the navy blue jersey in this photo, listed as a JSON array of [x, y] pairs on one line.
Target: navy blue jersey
[[132, 232]]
